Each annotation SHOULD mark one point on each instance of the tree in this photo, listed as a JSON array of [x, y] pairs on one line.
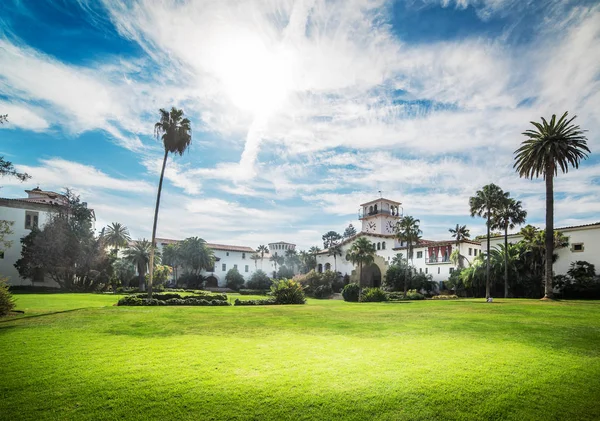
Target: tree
[[196, 255], [548, 148], [485, 203], [262, 249], [123, 271], [510, 213], [138, 254], [335, 250], [5, 229], [408, 230], [171, 256], [259, 280], [117, 236], [234, 279], [460, 233], [277, 260], [256, 258], [350, 231], [331, 238], [176, 135], [7, 169], [291, 259], [361, 252], [307, 261], [3, 118]]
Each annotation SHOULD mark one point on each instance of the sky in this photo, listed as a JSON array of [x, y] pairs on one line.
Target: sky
[[300, 110]]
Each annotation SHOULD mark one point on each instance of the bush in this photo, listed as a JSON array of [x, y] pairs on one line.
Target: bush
[[373, 295], [162, 297], [191, 280], [266, 302], [445, 297], [351, 292], [285, 273], [7, 302], [288, 291], [259, 281], [323, 291], [395, 296], [132, 300], [234, 279], [412, 294], [253, 291]]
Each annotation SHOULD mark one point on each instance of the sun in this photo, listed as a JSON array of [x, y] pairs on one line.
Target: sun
[[257, 78]]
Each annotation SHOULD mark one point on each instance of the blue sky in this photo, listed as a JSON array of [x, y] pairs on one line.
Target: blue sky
[[301, 110]]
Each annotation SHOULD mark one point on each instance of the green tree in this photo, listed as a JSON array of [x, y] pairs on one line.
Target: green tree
[[460, 233], [7, 169], [485, 204], [291, 259], [234, 279], [262, 249], [117, 235], [510, 213], [307, 261], [256, 258], [123, 271], [196, 255], [138, 254], [277, 260], [548, 148], [331, 238], [176, 135], [171, 256], [408, 230], [350, 231], [361, 253], [335, 250]]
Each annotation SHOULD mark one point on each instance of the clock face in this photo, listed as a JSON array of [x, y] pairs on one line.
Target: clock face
[[371, 226], [390, 227]]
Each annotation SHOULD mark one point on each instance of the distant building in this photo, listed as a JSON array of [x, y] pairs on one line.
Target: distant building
[[26, 213]]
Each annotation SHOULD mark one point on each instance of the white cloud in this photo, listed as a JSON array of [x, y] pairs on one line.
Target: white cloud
[[24, 117]]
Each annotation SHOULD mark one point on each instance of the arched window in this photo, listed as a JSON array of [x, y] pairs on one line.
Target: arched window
[[320, 268], [370, 210], [375, 208], [378, 246], [383, 246], [327, 266]]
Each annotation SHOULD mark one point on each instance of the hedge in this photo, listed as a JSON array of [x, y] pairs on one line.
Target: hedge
[[133, 300], [445, 297], [265, 302], [253, 291]]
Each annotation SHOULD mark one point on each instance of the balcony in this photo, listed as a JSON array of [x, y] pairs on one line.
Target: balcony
[[362, 215], [433, 259]]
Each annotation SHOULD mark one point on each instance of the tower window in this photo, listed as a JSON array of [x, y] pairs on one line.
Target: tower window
[[383, 246], [31, 220], [378, 246]]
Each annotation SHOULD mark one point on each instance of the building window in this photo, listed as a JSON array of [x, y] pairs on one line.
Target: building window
[[419, 255], [451, 270], [227, 254], [1, 254], [224, 267], [243, 255], [246, 268], [383, 246], [235, 266], [426, 271], [327, 266], [378, 246], [577, 247], [420, 270], [474, 252], [320, 268], [470, 251], [438, 271], [31, 220]]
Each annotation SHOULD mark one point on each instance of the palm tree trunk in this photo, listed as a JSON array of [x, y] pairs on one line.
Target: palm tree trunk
[[548, 293], [487, 265], [505, 261], [162, 174]]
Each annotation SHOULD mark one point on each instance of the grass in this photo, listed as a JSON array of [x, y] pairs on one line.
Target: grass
[[513, 359]]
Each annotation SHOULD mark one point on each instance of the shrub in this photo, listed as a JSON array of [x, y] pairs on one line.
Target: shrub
[[266, 302], [445, 297], [191, 280], [259, 281], [132, 300], [234, 279], [373, 295], [412, 294], [163, 297], [253, 291], [395, 296], [288, 291], [285, 273], [323, 291], [351, 292], [7, 302]]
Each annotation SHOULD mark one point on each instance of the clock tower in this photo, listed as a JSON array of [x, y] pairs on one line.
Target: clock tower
[[379, 216]]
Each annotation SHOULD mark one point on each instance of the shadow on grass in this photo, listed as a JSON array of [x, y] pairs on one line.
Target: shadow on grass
[[21, 317]]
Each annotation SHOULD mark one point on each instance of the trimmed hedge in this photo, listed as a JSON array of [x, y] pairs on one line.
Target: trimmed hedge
[[373, 295], [351, 292], [204, 295], [411, 294], [445, 297], [265, 302], [133, 300], [253, 291]]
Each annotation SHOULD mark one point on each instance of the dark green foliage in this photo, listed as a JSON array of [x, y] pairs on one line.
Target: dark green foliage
[[191, 280], [373, 295], [253, 291], [323, 291], [7, 302], [234, 279], [285, 273], [259, 280], [395, 296], [266, 302], [288, 291], [140, 300], [414, 295], [580, 282], [351, 292], [7, 168], [445, 297]]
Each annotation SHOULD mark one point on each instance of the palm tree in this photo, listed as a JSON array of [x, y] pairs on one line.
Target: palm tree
[[335, 250], [276, 259], [196, 255], [408, 230], [314, 250], [172, 257], [460, 233], [256, 258], [362, 253], [291, 258], [509, 215], [176, 135], [548, 148], [117, 235], [485, 204], [139, 255], [262, 249]]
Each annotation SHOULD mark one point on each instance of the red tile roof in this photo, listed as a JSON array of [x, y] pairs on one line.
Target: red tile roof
[[211, 245]]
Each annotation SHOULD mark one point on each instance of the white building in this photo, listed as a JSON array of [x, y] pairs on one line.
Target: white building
[[379, 218], [226, 257], [25, 214], [280, 248], [584, 244]]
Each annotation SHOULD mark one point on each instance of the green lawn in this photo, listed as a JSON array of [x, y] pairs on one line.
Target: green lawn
[[330, 360]]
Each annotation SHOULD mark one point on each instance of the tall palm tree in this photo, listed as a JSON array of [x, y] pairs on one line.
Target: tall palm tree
[[139, 255], [460, 233], [314, 250], [196, 255], [509, 215], [362, 253], [485, 203], [172, 256], [276, 259], [256, 258], [408, 230], [335, 250], [548, 148], [117, 235], [291, 258], [262, 249], [176, 135]]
